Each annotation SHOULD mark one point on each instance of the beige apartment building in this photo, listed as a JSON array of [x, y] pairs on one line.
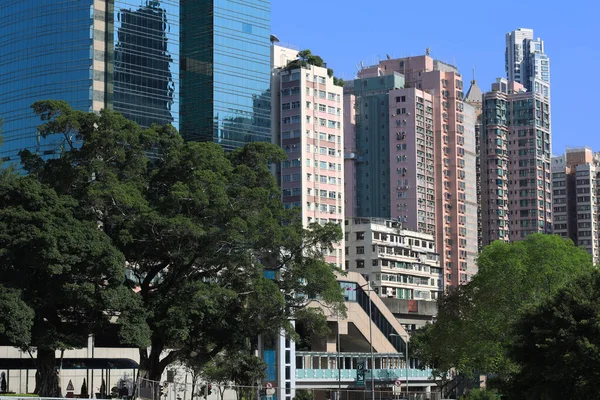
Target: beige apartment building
[[575, 190]]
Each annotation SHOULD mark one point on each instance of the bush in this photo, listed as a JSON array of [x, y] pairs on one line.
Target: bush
[[481, 394]]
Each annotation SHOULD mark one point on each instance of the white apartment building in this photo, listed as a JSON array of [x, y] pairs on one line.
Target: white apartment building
[[401, 263], [307, 122]]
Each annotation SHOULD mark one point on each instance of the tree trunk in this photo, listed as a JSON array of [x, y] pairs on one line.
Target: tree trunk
[[150, 363], [150, 369], [47, 382]]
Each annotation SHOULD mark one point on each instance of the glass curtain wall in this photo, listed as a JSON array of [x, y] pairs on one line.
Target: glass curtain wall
[[225, 77], [144, 52], [47, 50]]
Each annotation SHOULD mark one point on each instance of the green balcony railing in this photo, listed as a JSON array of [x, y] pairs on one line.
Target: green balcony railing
[[350, 374]]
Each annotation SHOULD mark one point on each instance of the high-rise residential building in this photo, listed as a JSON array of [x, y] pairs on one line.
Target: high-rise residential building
[[201, 66], [525, 59], [401, 263], [307, 122], [515, 161], [453, 195], [474, 98], [389, 152], [308, 125], [575, 184]]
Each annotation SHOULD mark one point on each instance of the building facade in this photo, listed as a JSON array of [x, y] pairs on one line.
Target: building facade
[[225, 71], [307, 122], [401, 263], [474, 98], [389, 149], [515, 161], [575, 185], [525, 59], [308, 125], [454, 147], [160, 62]]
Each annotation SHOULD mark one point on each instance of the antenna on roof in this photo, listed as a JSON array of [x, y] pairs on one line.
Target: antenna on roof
[[362, 65], [427, 51], [388, 56]]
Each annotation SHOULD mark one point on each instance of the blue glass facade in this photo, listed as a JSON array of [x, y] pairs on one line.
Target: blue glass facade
[[225, 71], [47, 49], [121, 54], [144, 52]]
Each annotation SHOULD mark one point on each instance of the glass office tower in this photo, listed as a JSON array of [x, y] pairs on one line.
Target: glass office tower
[[225, 71], [45, 48], [93, 54], [201, 65]]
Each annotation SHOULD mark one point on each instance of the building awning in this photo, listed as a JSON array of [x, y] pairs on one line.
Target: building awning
[[72, 363]]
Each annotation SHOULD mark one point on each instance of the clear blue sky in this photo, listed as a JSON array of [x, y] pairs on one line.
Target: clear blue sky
[[464, 33]]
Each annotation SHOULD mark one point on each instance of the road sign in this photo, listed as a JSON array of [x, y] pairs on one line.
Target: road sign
[[360, 373], [398, 382], [269, 385]]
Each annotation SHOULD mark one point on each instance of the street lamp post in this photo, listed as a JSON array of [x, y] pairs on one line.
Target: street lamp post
[[338, 359], [405, 361], [371, 343]]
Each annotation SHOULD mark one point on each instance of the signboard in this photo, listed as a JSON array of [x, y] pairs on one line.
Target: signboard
[[270, 392], [360, 373]]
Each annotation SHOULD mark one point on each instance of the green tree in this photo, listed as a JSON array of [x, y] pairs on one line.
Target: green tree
[[474, 325], [304, 395], [481, 394], [16, 318], [557, 345], [63, 274], [440, 345], [237, 367], [199, 229]]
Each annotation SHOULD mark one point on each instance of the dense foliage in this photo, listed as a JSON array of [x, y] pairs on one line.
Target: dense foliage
[[473, 330], [213, 257], [557, 345], [63, 279]]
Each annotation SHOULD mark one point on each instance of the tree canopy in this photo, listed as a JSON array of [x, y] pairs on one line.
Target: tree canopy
[[212, 253], [474, 324], [557, 345], [63, 279], [306, 57]]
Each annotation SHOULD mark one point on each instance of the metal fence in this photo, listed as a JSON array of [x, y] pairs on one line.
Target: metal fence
[[151, 390]]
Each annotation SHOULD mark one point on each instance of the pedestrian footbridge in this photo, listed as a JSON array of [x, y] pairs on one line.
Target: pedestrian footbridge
[[320, 369]]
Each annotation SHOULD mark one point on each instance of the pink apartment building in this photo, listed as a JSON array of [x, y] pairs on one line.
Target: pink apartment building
[[307, 122], [450, 192], [515, 161], [389, 152]]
